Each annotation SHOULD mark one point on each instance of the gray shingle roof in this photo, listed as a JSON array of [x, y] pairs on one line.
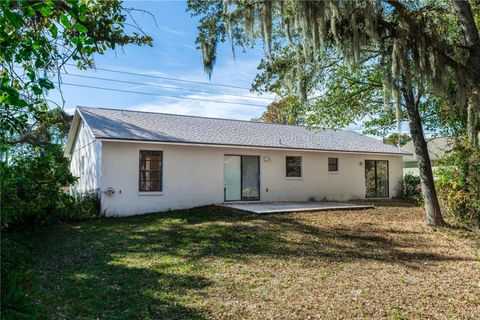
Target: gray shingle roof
[[150, 126], [437, 148]]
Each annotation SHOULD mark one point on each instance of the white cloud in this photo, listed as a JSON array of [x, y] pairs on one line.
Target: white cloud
[[205, 108]]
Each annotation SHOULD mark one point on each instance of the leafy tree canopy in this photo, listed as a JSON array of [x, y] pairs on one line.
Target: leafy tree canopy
[[397, 139], [286, 111], [37, 38], [337, 96], [433, 40]]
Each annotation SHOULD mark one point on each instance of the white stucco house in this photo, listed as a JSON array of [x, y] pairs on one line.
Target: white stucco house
[[144, 162]]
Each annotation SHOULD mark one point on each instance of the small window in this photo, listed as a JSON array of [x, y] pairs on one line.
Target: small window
[[294, 166], [332, 164], [150, 178]]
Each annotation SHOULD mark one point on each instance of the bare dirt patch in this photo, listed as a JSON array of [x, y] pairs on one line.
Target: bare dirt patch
[[380, 263]]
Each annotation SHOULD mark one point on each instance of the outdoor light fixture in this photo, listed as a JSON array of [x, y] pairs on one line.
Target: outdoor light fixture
[[266, 159], [110, 191]]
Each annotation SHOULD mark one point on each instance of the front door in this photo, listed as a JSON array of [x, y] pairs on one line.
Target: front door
[[241, 177], [376, 178]]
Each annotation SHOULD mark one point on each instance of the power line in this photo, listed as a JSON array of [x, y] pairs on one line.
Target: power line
[[162, 86], [166, 78], [160, 95]]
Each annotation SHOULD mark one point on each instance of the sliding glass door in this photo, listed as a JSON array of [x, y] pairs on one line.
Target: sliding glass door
[[241, 177], [376, 178], [250, 178], [232, 176]]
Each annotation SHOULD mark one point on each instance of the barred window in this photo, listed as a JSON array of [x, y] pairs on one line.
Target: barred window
[[150, 177], [294, 166], [333, 164]]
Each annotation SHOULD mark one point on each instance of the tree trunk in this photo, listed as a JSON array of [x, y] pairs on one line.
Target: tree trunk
[[433, 215], [473, 114], [463, 11]]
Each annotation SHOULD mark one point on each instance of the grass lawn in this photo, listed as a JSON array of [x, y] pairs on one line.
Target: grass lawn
[[214, 263]]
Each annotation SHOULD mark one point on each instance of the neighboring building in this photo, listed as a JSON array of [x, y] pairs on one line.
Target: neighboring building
[[150, 162], [437, 148]]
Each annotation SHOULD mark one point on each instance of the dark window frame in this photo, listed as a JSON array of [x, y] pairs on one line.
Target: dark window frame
[[287, 166], [334, 164], [140, 170], [376, 180]]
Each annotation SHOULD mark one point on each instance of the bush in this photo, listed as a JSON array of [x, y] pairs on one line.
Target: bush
[[32, 191], [458, 183], [31, 187], [82, 206], [16, 281], [412, 189]]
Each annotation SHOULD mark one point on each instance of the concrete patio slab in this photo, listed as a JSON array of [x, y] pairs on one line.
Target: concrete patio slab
[[277, 207]]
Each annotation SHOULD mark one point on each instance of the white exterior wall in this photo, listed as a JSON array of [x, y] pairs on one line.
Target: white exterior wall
[[193, 176], [86, 147]]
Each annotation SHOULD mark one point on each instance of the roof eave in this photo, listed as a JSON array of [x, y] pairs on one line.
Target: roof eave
[[72, 133], [247, 146]]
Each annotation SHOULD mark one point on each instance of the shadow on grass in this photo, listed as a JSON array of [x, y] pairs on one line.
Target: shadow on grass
[[88, 274], [154, 266]]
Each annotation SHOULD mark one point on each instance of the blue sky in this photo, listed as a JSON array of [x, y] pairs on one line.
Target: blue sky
[[173, 55]]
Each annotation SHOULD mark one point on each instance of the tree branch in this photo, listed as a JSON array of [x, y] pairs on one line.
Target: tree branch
[[438, 46]]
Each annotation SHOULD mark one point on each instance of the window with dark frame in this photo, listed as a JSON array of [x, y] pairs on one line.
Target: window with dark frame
[[294, 167], [333, 164], [150, 173]]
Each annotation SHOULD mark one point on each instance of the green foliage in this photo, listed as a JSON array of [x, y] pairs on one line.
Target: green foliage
[[397, 138], [429, 37], [37, 38], [32, 187], [348, 96], [285, 73], [84, 206], [458, 183], [49, 127], [398, 54], [285, 111], [16, 278], [33, 191], [352, 53], [411, 188], [211, 30]]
